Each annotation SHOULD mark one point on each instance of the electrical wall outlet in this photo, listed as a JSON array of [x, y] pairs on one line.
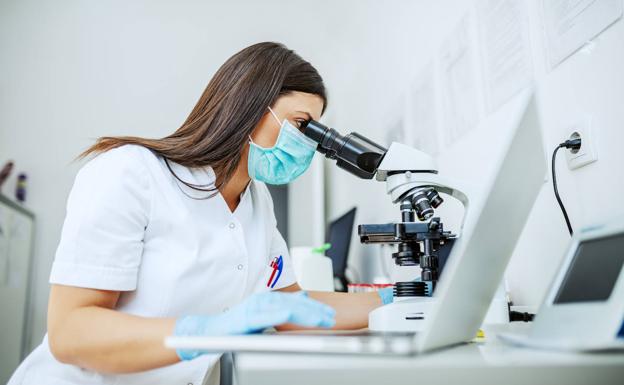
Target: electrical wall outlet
[[587, 153]]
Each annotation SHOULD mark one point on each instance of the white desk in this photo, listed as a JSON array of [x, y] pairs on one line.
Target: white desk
[[489, 362]]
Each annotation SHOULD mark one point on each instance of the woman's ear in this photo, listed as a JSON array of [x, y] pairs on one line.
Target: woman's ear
[[266, 131]]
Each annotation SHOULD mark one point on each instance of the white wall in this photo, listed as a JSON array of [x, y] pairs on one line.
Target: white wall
[[72, 71]]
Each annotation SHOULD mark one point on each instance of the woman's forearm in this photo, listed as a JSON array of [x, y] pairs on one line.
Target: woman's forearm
[[110, 341], [352, 309]]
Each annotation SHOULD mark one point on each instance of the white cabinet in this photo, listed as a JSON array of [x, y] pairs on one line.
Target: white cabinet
[[16, 241]]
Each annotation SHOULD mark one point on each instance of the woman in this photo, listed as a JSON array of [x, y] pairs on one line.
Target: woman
[[177, 236]]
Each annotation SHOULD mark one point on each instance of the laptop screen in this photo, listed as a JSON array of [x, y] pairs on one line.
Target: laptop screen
[[593, 271]]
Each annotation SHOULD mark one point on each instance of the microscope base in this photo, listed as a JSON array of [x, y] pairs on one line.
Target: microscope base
[[403, 315]]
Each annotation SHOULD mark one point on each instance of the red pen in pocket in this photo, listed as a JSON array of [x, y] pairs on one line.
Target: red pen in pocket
[[277, 264]]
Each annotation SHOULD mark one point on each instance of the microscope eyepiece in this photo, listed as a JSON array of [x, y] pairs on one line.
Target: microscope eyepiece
[[353, 152]]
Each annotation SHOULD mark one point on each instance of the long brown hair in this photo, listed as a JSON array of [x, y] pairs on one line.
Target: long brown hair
[[229, 109]]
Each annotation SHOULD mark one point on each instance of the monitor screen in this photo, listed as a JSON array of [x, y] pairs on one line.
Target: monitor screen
[[339, 235], [593, 271]]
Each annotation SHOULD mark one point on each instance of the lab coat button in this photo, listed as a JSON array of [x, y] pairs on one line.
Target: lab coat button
[[232, 225], [239, 267]]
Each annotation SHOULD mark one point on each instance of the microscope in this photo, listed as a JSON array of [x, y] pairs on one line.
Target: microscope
[[412, 181]]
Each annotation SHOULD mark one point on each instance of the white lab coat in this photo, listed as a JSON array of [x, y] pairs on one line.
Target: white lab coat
[[131, 227]]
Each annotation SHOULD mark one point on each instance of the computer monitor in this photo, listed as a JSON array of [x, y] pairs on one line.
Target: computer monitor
[[339, 236], [588, 289], [584, 306]]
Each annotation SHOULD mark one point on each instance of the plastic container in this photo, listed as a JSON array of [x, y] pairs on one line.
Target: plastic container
[[313, 269], [366, 287]]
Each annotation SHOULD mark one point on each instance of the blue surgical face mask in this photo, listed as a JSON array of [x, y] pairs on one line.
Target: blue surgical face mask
[[286, 160]]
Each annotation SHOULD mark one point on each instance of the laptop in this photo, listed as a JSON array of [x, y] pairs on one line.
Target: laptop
[[493, 223], [339, 236], [584, 307]]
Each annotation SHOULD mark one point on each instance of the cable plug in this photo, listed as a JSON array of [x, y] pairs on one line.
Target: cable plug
[[572, 144]]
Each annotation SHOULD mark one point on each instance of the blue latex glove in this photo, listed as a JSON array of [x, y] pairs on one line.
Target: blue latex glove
[[256, 313], [386, 294]]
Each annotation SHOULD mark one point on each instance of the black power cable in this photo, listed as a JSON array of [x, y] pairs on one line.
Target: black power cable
[[573, 144], [515, 316]]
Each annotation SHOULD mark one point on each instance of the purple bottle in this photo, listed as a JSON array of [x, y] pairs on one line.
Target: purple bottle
[[20, 189]]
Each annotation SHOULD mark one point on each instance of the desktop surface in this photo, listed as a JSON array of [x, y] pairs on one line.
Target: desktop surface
[[480, 362]]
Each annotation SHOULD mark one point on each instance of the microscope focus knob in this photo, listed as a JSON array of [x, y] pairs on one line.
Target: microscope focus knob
[[429, 275], [407, 254], [429, 265]]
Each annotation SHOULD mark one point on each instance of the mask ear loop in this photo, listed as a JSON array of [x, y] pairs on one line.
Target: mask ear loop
[[275, 116]]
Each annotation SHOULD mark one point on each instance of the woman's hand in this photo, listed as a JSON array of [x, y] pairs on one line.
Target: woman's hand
[[255, 314]]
